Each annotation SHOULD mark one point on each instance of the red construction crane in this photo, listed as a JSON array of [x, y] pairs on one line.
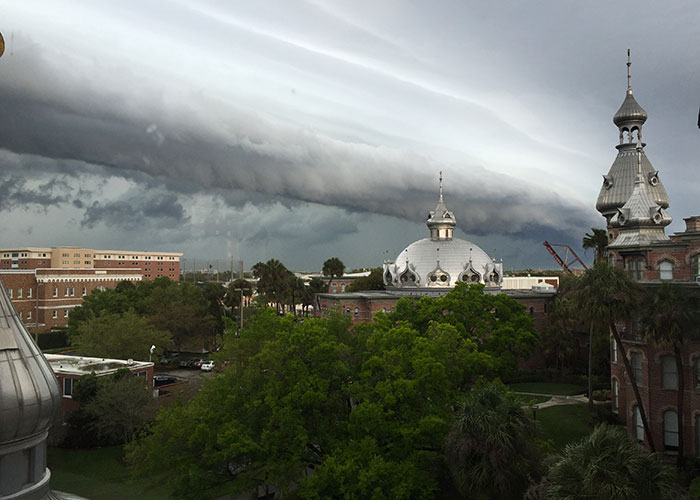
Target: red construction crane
[[563, 262]]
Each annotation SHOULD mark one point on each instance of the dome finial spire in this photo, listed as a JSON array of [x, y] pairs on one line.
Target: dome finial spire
[[629, 72], [441, 186]]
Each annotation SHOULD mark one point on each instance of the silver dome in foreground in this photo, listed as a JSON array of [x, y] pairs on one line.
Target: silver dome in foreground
[[29, 399], [441, 260]]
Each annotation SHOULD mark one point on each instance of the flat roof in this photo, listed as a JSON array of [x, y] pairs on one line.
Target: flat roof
[[82, 365]]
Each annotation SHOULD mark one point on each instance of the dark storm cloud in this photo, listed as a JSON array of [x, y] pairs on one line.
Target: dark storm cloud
[[16, 192], [135, 213], [207, 144]]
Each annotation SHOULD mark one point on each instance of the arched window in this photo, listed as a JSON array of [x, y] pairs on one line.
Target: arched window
[[638, 425], [666, 270], [670, 431], [615, 395], [613, 350], [356, 313], [669, 372]]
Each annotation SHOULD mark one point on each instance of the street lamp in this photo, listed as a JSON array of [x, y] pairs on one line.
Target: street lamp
[[150, 352]]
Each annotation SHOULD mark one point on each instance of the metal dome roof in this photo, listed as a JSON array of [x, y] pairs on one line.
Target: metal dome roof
[[630, 112], [441, 263], [29, 392]]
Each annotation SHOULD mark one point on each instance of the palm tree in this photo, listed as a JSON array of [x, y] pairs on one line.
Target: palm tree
[[669, 318], [606, 295], [272, 279], [598, 239], [490, 448], [608, 465], [334, 268]]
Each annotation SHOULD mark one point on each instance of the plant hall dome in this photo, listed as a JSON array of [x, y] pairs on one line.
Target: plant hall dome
[[441, 260]]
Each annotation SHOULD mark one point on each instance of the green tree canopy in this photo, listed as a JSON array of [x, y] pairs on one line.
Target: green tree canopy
[[372, 282], [121, 336], [373, 402], [607, 465]]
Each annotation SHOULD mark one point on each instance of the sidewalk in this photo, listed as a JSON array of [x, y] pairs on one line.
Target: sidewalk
[[555, 400]]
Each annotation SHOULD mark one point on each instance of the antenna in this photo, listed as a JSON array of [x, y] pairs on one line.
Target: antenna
[[629, 73], [440, 185]]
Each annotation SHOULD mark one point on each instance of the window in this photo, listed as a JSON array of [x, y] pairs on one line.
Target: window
[[636, 359], [72, 291], [55, 292], [67, 291], [613, 350], [356, 313], [54, 314], [65, 313], [670, 431], [634, 268], [9, 292], [342, 287], [29, 315], [665, 271], [140, 374], [695, 265], [68, 387], [29, 293], [19, 293], [638, 425], [84, 291], [335, 288], [615, 395], [669, 372]]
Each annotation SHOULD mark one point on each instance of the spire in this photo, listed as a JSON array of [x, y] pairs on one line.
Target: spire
[[629, 73], [631, 115], [641, 220], [620, 180], [441, 221]]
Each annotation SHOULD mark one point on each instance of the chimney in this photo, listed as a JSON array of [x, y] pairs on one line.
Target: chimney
[[692, 224]]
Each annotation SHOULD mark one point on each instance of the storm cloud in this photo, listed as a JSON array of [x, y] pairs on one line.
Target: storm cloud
[[320, 120]]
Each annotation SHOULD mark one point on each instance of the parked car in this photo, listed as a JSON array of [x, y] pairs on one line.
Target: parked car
[[207, 366]]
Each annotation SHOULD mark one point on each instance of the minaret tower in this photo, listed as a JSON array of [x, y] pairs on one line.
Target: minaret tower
[[630, 163], [441, 221]]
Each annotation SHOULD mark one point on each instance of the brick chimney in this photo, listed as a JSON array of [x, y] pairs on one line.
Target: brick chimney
[[692, 224]]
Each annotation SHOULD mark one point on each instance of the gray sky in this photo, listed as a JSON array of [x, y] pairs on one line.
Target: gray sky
[[302, 130]]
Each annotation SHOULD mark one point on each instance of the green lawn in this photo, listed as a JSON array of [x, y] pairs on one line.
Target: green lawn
[[548, 388], [565, 424], [98, 475]]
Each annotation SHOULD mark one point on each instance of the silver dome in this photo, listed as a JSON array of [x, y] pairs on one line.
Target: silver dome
[[29, 399]]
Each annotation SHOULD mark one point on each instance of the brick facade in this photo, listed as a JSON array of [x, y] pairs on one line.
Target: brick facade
[[45, 297], [681, 251]]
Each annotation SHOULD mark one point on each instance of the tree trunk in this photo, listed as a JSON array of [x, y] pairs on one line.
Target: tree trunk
[[590, 367], [681, 394], [630, 375]]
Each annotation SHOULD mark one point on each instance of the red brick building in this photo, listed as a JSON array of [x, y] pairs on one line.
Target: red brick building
[[45, 284], [634, 201], [151, 264], [44, 298]]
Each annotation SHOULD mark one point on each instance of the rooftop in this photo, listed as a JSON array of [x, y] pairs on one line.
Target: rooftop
[[83, 365]]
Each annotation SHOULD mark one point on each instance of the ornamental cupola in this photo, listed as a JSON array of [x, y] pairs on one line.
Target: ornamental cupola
[[641, 220], [621, 180], [441, 221]]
